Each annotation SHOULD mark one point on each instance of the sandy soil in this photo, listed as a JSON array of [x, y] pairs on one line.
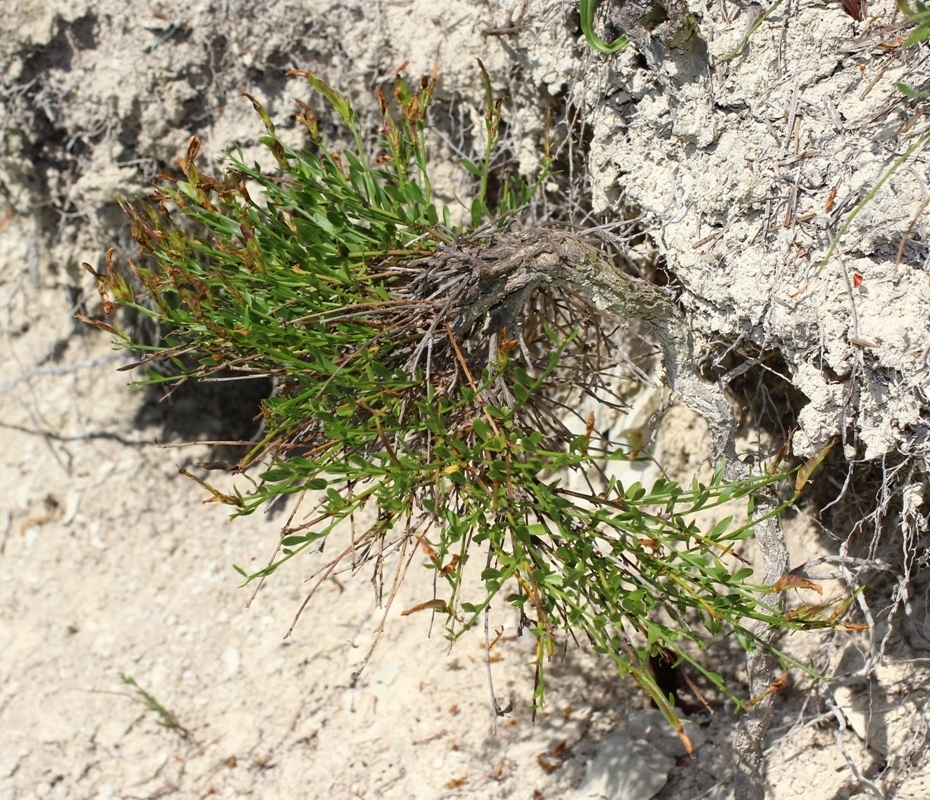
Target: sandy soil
[[111, 566]]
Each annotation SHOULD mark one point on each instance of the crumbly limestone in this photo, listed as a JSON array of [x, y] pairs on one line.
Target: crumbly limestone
[[745, 171]]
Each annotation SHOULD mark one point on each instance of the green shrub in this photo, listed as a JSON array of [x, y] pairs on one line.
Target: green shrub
[[427, 374]]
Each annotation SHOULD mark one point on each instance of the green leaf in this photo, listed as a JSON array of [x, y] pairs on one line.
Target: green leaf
[[277, 475], [336, 100], [720, 528], [473, 168], [907, 90], [805, 472], [587, 9], [482, 428]]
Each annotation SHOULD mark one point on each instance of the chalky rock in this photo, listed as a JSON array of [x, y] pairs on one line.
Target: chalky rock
[[625, 769]]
